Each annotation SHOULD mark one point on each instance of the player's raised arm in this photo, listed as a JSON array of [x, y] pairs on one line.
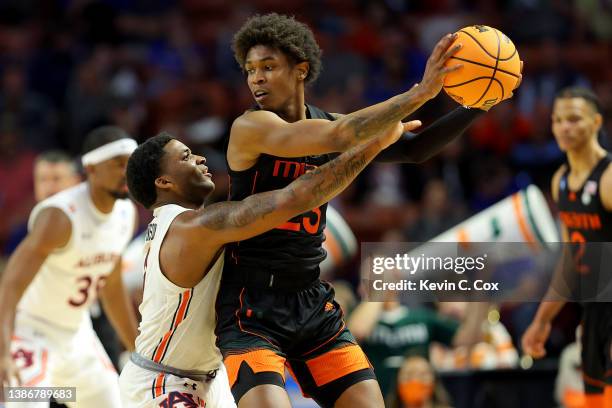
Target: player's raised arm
[[164, 171], [267, 132], [51, 230], [258, 213], [417, 148]]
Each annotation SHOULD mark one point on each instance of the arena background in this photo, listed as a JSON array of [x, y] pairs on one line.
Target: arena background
[[150, 65]]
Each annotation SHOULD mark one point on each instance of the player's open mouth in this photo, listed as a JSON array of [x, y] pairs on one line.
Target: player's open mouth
[[206, 173], [260, 94]]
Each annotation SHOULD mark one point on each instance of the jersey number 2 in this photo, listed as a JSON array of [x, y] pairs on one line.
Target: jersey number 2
[[579, 239]]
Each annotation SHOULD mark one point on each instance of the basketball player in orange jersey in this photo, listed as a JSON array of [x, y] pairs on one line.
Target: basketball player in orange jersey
[[582, 189], [272, 308]]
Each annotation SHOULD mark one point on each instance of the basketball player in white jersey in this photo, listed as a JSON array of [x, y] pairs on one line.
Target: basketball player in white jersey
[[70, 257], [176, 360]]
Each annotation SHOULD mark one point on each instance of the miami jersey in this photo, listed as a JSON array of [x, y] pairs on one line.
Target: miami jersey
[[70, 278]]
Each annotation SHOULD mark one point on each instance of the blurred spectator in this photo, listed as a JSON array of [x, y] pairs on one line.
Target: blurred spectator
[[492, 181], [547, 74], [498, 131], [597, 15], [69, 66], [388, 330], [417, 386], [345, 296], [397, 68], [88, 98], [386, 181], [495, 351], [537, 154], [16, 163], [438, 213], [32, 113], [54, 171], [530, 20]]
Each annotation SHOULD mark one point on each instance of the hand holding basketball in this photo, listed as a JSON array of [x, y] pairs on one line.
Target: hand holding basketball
[[439, 65], [491, 68]]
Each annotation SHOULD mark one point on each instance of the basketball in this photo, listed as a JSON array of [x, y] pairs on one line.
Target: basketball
[[491, 67]]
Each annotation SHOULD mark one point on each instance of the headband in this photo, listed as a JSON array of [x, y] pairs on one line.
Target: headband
[[109, 150]]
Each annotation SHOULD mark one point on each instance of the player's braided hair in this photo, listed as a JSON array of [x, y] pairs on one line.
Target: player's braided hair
[[143, 168], [288, 35]]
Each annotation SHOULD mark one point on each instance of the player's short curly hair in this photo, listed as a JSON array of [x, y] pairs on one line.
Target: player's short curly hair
[[286, 34], [144, 167], [581, 92]]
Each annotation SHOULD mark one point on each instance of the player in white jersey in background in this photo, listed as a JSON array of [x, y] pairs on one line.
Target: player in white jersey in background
[[176, 359], [70, 257]]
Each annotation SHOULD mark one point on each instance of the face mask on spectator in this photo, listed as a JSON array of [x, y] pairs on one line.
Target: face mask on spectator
[[415, 392]]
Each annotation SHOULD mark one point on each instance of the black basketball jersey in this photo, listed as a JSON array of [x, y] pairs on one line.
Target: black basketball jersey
[[587, 221], [295, 246]]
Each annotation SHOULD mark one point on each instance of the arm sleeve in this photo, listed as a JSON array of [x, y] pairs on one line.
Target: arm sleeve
[[416, 148]]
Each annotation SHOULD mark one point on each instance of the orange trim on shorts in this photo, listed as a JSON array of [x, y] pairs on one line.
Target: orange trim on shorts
[[594, 401], [516, 201], [158, 386], [43, 371], [261, 360], [608, 396], [328, 340], [337, 363]]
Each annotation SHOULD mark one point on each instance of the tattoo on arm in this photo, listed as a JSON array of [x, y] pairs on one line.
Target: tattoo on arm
[[239, 213], [324, 182], [365, 124], [310, 190]]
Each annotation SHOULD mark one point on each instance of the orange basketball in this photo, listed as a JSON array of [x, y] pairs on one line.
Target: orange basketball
[[491, 67]]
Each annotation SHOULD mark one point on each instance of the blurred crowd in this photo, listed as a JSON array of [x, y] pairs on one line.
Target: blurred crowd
[[67, 66]]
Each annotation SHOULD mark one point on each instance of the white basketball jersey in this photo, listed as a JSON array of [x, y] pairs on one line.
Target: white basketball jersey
[[177, 325], [69, 279]]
